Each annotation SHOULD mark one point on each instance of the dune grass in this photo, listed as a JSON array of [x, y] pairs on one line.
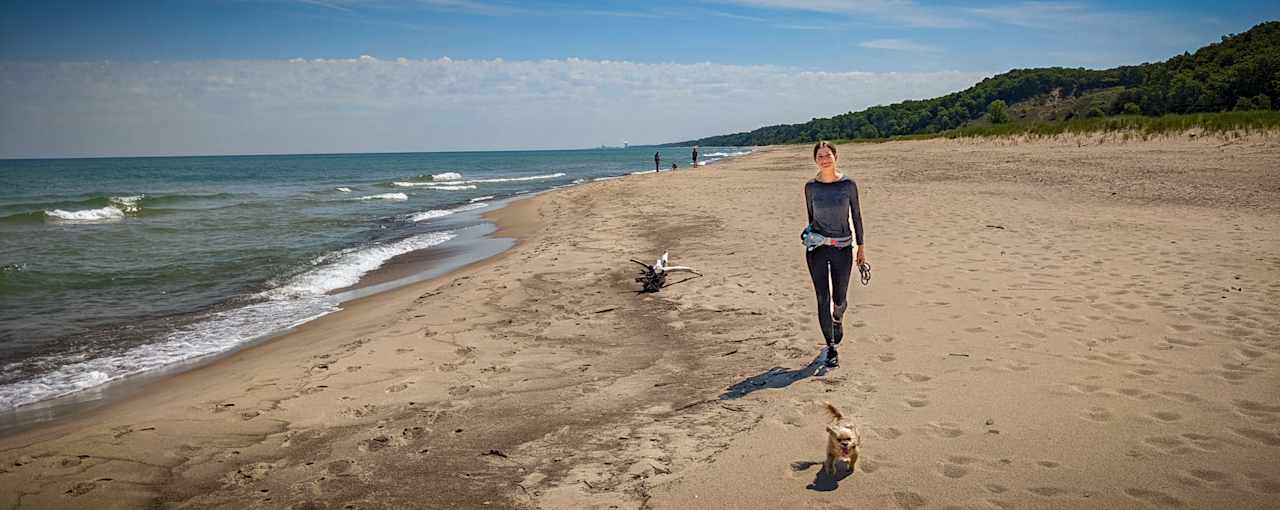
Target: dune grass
[[1221, 123]]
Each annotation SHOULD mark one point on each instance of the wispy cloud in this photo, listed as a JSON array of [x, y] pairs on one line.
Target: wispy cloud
[[474, 7], [903, 12], [899, 45], [373, 104], [1040, 15]]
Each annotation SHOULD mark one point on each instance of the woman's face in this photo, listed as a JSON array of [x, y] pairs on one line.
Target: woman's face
[[825, 159]]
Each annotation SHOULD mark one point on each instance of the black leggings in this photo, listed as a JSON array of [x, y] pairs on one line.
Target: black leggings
[[833, 265]]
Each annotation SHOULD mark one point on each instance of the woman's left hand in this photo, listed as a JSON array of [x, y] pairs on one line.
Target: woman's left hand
[[861, 256]]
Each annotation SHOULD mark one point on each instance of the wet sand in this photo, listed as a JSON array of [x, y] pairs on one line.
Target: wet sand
[[1079, 322]]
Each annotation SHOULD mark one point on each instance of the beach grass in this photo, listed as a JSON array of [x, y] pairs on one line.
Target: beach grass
[[1218, 123]]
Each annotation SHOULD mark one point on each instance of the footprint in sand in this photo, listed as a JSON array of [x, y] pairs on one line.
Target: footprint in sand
[[1210, 476], [397, 388], [943, 430], [1258, 411], [1047, 492], [1185, 398], [1168, 445], [908, 500], [954, 471], [917, 401], [1261, 436], [1048, 464], [1166, 416], [1097, 414], [1262, 484], [1084, 388], [1135, 393], [80, 489], [374, 444], [1155, 498], [460, 390], [915, 378], [887, 432], [340, 467], [1182, 342]]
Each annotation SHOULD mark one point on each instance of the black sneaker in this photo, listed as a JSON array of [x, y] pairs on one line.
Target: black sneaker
[[837, 330], [833, 358]]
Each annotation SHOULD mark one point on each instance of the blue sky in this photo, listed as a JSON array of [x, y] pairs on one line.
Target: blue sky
[[643, 71]]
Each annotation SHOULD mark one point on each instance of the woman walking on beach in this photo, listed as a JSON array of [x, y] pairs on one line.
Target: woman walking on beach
[[835, 220]]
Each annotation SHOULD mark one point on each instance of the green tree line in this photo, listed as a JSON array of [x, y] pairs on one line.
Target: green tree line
[[1242, 72]]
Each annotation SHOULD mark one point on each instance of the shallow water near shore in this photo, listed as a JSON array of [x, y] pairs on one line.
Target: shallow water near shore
[[120, 266]]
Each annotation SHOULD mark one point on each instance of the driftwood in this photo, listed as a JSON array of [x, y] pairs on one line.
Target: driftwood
[[654, 277]]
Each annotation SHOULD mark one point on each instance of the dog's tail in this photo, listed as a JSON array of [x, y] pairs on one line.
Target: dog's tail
[[835, 413]]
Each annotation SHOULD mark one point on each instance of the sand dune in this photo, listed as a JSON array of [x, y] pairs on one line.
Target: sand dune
[[1082, 323]]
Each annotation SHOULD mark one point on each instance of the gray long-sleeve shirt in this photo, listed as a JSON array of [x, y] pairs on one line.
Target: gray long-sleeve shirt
[[830, 205]]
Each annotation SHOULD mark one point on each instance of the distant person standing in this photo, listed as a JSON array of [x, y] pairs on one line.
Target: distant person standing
[[674, 166], [695, 155], [657, 160]]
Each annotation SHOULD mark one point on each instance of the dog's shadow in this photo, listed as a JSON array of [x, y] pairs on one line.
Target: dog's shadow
[[776, 377], [822, 480]]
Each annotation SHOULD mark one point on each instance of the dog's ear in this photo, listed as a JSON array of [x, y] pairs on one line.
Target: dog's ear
[[831, 429]]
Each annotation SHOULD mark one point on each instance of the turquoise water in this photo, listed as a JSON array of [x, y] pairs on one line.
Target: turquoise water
[[116, 266]]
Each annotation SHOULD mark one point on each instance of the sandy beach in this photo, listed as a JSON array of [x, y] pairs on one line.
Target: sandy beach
[[1081, 322]]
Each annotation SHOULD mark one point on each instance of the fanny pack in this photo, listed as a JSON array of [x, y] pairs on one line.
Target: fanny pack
[[813, 239]]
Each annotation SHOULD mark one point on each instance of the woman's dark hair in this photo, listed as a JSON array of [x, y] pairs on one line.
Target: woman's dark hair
[[822, 144]]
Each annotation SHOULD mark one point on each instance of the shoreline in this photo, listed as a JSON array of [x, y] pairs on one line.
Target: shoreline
[[475, 241], [539, 378]]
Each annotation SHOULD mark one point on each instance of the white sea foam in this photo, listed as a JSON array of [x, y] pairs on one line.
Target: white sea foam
[[345, 190], [385, 196], [514, 179], [727, 154], [440, 213], [432, 214], [642, 172], [610, 178], [128, 204], [108, 213], [579, 181], [346, 269], [478, 199], [302, 298], [448, 184], [447, 176], [453, 188]]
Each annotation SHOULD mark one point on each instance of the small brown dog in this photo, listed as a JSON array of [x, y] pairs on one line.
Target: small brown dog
[[842, 443]]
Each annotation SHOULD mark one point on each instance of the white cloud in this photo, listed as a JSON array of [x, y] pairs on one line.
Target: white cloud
[[904, 12], [368, 104], [899, 45]]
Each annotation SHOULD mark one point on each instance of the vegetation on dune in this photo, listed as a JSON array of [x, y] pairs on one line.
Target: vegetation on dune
[[1239, 74], [1218, 123]]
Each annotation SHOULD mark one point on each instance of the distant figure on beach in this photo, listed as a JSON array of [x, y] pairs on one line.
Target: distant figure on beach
[[674, 167], [657, 160], [835, 220], [695, 155]]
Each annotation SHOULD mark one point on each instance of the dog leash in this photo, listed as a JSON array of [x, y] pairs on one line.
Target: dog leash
[[865, 270]]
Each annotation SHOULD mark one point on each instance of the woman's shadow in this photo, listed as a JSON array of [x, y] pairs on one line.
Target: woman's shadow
[[776, 377], [822, 480]]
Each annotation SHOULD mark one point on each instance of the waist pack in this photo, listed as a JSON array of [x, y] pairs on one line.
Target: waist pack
[[813, 239]]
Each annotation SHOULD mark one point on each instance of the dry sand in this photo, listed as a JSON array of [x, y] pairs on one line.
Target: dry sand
[[1073, 323]]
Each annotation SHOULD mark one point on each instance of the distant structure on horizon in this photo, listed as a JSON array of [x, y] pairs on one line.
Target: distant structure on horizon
[[626, 144]]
